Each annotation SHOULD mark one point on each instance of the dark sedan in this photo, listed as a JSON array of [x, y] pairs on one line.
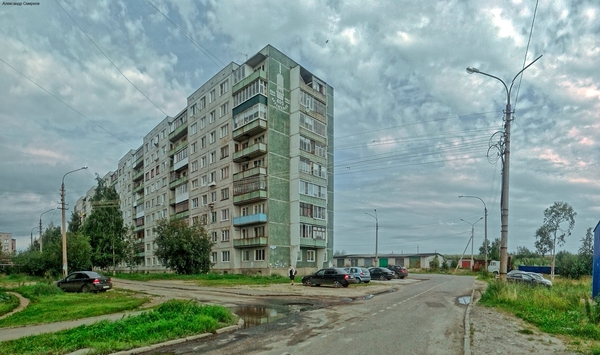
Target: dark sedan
[[85, 281], [381, 273], [333, 276], [401, 271]]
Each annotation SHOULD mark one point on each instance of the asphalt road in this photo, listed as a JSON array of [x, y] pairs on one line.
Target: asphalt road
[[422, 317]]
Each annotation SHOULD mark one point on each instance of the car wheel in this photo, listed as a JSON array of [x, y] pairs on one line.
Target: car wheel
[[359, 280], [367, 282], [336, 284], [346, 285], [307, 282], [85, 289], [382, 278]]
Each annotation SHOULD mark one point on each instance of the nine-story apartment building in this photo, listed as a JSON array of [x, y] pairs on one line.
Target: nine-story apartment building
[[251, 158]]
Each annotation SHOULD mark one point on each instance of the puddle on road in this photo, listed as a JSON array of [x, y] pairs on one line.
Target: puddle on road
[[256, 315], [464, 300]]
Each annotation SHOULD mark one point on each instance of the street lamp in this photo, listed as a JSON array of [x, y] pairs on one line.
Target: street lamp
[[41, 227], [376, 236], [64, 228], [485, 243], [472, 240], [505, 166]]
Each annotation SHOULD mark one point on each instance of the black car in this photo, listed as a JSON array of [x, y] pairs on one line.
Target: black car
[[381, 273], [85, 281], [332, 276], [400, 270]]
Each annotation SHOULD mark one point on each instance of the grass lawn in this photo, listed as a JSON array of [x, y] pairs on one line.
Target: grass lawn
[[8, 302], [48, 304], [210, 279], [170, 320], [565, 309]]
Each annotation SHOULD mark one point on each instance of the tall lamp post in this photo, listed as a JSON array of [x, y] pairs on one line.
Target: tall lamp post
[[505, 155], [485, 243], [64, 228], [41, 227], [376, 236], [472, 239]]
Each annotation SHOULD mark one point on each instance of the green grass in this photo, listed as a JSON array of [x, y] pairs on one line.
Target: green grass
[[171, 320], [210, 279], [565, 309], [14, 280], [8, 302], [48, 304]]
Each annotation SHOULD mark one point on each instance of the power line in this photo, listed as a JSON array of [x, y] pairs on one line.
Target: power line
[[111, 62], [526, 51]]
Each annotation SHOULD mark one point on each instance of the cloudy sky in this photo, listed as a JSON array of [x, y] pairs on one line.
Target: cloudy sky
[[82, 82]]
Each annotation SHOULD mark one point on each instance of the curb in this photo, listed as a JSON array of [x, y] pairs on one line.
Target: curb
[[467, 343]]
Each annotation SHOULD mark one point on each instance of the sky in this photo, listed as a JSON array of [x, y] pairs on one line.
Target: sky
[[82, 82]]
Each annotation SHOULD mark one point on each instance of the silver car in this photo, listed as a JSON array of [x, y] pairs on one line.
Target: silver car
[[362, 274]]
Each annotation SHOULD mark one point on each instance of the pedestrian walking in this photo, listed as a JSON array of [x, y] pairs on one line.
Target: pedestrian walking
[[292, 273]]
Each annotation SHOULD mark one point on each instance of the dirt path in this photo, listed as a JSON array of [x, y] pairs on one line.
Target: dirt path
[[23, 303]]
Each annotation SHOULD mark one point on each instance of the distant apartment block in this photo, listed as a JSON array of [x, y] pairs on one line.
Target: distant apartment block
[[250, 158], [8, 243]]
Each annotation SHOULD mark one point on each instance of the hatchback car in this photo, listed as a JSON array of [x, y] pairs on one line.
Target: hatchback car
[[381, 273], [527, 278], [333, 276], [85, 281], [361, 274], [400, 270]]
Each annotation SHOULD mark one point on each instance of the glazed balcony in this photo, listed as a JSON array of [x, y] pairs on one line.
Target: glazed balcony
[[250, 219]]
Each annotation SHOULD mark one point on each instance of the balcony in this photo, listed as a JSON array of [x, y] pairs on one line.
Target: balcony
[[139, 188], [250, 242], [250, 197], [179, 181], [180, 164], [313, 243], [251, 152], [250, 129], [138, 162], [258, 170], [250, 219], [178, 147], [184, 214], [249, 79], [179, 132], [138, 176]]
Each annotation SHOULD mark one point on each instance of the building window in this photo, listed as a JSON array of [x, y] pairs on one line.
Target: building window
[[203, 161], [225, 173], [310, 256], [224, 152], [225, 256], [214, 236], [225, 194], [259, 255], [212, 137], [224, 131], [225, 214], [224, 87], [203, 142], [213, 219], [202, 103], [194, 166], [195, 184], [213, 196], [211, 96], [245, 255], [204, 200], [194, 147], [203, 122], [195, 202], [225, 235], [212, 157], [213, 257], [299, 256], [224, 109], [259, 231], [211, 116], [193, 128]]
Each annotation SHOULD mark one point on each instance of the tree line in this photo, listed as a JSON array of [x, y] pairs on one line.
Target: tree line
[[102, 241]]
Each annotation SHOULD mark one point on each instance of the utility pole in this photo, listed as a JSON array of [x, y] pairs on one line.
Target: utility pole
[[505, 155]]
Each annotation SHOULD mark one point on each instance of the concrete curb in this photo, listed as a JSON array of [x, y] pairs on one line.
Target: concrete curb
[[467, 343]]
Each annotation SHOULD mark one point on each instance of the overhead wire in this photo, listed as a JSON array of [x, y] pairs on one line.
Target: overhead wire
[[526, 52]]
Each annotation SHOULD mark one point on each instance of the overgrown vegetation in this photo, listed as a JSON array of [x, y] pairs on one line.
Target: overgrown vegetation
[[565, 309], [171, 320]]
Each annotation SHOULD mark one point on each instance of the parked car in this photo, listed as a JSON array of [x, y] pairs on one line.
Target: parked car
[[527, 278], [85, 281], [361, 274], [337, 277], [381, 273], [400, 270]]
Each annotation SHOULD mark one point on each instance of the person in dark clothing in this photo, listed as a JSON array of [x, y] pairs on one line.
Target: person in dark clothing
[[292, 274]]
